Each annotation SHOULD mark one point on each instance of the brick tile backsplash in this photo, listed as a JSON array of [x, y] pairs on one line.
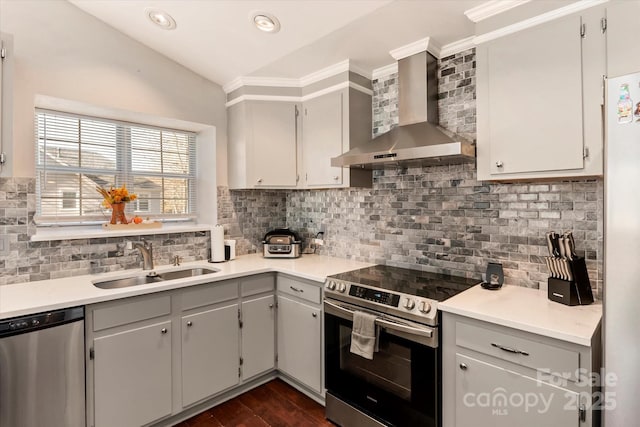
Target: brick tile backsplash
[[248, 214], [441, 219], [30, 261]]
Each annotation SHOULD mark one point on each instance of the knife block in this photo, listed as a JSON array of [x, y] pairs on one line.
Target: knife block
[[572, 292]]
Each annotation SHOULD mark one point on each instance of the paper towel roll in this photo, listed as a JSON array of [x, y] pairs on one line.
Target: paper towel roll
[[217, 243]]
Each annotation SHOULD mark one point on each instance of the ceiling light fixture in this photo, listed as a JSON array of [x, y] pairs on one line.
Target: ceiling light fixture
[[265, 22], [161, 18]]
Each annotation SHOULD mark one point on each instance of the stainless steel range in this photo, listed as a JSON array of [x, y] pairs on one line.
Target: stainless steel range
[[401, 385]]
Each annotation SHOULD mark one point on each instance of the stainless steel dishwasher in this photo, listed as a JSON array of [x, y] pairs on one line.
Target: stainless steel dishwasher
[[42, 370]]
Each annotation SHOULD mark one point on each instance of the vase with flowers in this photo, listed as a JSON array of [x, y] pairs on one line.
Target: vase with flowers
[[115, 199]]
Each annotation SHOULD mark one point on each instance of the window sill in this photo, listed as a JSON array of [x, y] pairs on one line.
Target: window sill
[[74, 233]]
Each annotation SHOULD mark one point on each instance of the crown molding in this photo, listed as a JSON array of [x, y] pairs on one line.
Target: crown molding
[[280, 98], [410, 49], [336, 87], [324, 73], [457, 46], [384, 71], [232, 85], [263, 98], [359, 70], [537, 20], [330, 71], [491, 8], [260, 81]]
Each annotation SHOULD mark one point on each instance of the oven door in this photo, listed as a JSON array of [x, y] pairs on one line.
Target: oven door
[[400, 386]]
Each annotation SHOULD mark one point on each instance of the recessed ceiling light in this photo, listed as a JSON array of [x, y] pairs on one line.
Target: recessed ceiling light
[[161, 18], [266, 22]]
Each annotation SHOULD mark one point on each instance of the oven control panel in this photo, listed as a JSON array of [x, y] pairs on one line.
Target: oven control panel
[[375, 295], [399, 304]]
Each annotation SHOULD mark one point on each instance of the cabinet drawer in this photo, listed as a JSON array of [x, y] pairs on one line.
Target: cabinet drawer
[[522, 351], [129, 312], [306, 291], [208, 294], [256, 285]]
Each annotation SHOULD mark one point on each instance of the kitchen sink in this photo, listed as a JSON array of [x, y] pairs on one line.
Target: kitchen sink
[[188, 272], [153, 277]]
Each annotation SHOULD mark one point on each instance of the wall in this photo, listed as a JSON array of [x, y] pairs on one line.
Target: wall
[[63, 52], [441, 218]]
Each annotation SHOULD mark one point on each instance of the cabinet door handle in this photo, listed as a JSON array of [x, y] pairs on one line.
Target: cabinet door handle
[[463, 366], [499, 164], [510, 349], [189, 323], [270, 305], [336, 177], [314, 314], [164, 330], [259, 180], [296, 289]]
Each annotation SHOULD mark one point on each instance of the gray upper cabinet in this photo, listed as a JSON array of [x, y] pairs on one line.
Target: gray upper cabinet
[[539, 100], [332, 124], [262, 144], [322, 139], [283, 137], [623, 54]]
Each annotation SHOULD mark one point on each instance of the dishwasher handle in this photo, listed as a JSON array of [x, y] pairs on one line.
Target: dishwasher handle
[[34, 322]]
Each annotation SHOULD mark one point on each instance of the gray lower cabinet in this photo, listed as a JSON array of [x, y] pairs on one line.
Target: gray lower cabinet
[[210, 353], [500, 376], [300, 332], [258, 336], [490, 395], [132, 375], [151, 357]]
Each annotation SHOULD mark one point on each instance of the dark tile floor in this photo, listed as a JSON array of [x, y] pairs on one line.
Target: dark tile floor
[[275, 404]]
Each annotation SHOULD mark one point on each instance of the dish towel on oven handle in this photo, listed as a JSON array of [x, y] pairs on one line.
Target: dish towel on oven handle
[[364, 335]]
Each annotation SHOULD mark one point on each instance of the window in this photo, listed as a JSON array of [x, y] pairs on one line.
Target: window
[[75, 154], [141, 204], [69, 201]]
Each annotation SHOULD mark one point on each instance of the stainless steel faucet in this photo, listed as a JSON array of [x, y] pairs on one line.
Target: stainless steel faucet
[[146, 249]]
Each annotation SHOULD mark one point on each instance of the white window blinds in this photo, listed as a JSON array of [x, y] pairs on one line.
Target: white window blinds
[[75, 154]]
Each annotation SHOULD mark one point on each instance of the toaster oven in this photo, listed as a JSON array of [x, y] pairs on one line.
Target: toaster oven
[[281, 243]]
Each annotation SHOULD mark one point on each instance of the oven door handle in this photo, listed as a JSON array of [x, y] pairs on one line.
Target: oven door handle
[[347, 314], [404, 328]]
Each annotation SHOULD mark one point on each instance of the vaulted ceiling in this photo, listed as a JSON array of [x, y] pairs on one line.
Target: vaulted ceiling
[[217, 38]]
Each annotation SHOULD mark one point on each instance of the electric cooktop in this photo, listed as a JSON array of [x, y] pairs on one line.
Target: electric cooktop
[[433, 286]]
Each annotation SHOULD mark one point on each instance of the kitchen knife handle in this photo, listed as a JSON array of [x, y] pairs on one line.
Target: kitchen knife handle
[[572, 243], [567, 248], [549, 243], [555, 243], [561, 247]]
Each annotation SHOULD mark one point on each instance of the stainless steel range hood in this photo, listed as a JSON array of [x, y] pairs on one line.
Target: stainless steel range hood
[[418, 140]]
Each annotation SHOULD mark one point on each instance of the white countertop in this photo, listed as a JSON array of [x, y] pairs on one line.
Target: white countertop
[[528, 310], [33, 297]]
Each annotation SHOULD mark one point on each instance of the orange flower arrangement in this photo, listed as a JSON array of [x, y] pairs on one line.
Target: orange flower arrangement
[[114, 199], [115, 195]]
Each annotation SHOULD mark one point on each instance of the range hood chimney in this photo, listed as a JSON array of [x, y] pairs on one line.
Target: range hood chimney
[[418, 140]]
